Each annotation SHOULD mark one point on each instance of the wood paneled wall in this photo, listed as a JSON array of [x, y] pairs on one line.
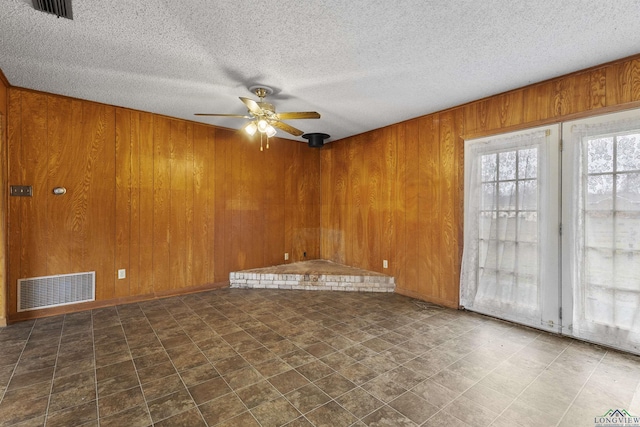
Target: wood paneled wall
[[396, 193], [4, 86], [177, 204]]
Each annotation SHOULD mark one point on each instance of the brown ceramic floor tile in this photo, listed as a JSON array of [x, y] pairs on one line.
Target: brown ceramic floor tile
[[258, 393], [298, 358], [442, 419], [115, 370], [170, 405], [435, 394], [287, 381], [209, 390], [158, 388], [384, 388], [245, 420], [414, 407], [243, 377], [453, 381], [258, 355], [334, 385], [272, 368], [359, 402], [138, 416], [18, 410], [151, 359], [77, 380], [387, 416], [27, 393], [31, 378], [118, 402], [199, 374], [76, 415], [230, 364], [475, 414], [117, 384], [358, 373], [69, 368], [319, 350], [222, 408], [153, 373], [307, 398], [35, 363], [331, 414], [315, 370], [275, 413], [190, 418], [189, 360], [72, 397]]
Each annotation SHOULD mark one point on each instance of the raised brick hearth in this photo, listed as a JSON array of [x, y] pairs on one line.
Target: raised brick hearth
[[315, 275]]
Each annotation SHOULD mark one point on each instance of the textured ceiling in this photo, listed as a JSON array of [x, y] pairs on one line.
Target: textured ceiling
[[361, 64]]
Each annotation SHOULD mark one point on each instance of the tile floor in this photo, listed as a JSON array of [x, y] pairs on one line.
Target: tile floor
[[237, 357]]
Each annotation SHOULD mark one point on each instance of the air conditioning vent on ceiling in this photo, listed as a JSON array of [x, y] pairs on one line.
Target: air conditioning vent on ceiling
[[60, 8]]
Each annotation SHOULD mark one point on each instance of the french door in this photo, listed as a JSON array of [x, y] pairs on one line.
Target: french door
[[552, 237], [510, 264], [601, 213]]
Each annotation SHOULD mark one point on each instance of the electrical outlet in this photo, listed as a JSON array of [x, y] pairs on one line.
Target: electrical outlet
[[122, 273], [385, 263], [286, 256]]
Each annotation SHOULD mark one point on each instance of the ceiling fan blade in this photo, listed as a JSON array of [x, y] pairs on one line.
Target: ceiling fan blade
[[252, 106], [238, 116], [285, 127], [298, 115]]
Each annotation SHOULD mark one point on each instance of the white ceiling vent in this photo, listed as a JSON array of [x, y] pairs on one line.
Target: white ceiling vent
[[52, 291], [60, 8]]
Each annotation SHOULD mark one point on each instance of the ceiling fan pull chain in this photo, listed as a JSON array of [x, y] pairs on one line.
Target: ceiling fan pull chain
[[261, 142]]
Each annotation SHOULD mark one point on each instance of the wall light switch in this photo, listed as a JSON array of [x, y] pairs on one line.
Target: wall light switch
[[122, 273], [286, 256], [385, 263], [21, 191]]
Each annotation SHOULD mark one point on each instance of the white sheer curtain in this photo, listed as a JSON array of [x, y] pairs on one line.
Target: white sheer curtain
[[604, 216], [507, 205]]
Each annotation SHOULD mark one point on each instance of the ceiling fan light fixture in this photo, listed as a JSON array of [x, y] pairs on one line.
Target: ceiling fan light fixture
[[251, 128], [270, 131], [262, 125]]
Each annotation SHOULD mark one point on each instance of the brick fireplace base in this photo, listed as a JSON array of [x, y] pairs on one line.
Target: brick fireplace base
[[315, 275]]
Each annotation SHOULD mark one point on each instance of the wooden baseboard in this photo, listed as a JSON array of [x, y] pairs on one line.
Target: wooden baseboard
[[434, 300], [74, 308]]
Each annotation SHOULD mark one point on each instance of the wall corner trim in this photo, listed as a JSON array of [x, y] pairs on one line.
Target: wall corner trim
[[3, 79]]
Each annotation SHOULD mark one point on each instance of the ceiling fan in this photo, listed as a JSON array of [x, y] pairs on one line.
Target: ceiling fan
[[263, 115]]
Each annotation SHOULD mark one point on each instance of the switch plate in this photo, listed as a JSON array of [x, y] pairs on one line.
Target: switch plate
[[21, 190], [385, 263], [286, 256], [122, 273]]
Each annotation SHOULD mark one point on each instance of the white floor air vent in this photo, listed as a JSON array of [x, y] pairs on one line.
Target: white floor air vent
[[52, 291]]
